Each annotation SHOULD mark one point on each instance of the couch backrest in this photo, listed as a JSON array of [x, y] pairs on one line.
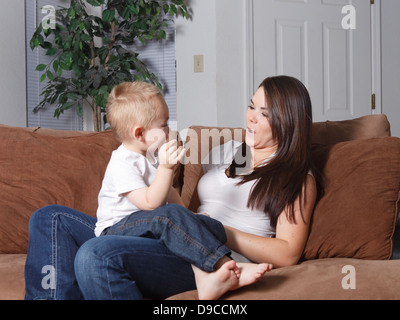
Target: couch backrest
[[200, 140], [332, 132], [40, 167]]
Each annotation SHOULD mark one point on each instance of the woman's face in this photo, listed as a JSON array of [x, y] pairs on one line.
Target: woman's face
[[259, 133]]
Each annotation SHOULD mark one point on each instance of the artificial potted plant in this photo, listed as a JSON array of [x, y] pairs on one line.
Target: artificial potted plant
[[93, 49]]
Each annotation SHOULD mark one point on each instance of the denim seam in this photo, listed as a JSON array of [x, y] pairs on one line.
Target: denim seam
[[53, 293], [213, 259], [108, 279], [54, 222]]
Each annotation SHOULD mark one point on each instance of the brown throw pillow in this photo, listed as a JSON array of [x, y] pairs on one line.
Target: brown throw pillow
[[356, 216]]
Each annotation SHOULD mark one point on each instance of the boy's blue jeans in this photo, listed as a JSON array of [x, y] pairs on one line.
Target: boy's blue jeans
[[119, 265], [197, 239]]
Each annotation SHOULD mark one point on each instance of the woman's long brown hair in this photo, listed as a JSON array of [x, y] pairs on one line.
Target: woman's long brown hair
[[281, 182]]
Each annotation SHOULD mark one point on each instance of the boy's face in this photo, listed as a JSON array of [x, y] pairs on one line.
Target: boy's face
[[157, 134]]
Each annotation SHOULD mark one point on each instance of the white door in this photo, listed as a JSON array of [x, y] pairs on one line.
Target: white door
[[306, 39]]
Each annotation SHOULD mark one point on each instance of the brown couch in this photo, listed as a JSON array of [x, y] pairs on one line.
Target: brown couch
[[353, 223]]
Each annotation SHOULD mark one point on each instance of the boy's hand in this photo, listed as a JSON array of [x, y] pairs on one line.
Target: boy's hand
[[170, 155]]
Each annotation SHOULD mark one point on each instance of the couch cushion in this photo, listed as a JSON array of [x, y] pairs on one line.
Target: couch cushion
[[356, 217], [12, 280], [38, 170], [321, 280]]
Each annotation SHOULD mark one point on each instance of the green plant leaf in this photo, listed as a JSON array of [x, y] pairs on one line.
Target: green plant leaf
[[41, 67], [174, 10], [52, 52], [79, 109], [95, 3], [166, 8], [108, 15], [72, 13], [162, 35], [55, 66], [50, 75], [68, 105], [85, 37]]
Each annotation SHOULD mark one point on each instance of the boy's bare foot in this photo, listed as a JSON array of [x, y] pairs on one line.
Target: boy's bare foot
[[230, 276]]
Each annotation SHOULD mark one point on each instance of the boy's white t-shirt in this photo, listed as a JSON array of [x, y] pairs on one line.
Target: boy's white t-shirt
[[127, 171]]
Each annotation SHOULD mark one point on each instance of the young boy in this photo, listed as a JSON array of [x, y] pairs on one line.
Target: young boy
[[134, 181], [137, 197]]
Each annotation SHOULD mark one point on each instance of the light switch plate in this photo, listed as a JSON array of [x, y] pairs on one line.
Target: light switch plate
[[199, 63]]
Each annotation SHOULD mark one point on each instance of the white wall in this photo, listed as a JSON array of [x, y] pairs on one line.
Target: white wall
[[232, 63], [12, 63], [391, 63], [196, 92], [217, 96]]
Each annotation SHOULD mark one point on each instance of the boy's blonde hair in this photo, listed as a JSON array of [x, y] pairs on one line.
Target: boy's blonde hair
[[131, 104]]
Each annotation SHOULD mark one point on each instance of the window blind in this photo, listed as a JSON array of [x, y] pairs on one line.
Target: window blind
[[159, 57], [45, 117]]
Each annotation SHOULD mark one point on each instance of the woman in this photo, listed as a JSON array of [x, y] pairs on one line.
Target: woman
[[276, 199]]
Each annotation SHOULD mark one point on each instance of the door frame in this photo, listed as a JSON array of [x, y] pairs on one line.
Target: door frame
[[376, 52], [249, 20]]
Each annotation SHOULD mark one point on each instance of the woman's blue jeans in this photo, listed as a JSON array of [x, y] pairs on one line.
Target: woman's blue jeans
[[130, 268], [118, 266], [55, 235], [148, 254]]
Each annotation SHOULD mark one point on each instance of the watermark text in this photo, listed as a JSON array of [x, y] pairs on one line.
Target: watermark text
[[349, 20], [49, 21]]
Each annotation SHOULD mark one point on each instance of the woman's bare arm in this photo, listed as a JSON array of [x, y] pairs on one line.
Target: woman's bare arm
[[286, 249]]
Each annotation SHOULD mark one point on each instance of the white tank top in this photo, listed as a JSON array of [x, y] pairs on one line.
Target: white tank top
[[225, 201]]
